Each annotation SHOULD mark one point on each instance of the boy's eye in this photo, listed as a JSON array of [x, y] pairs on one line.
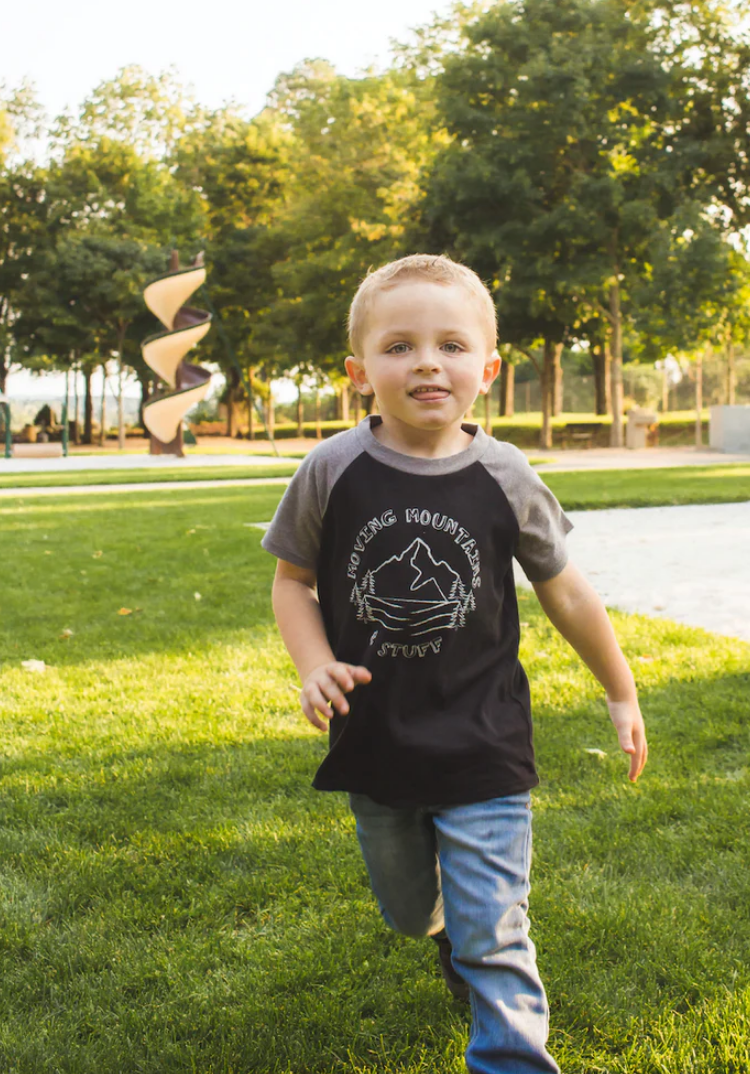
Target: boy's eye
[[452, 348], [398, 348]]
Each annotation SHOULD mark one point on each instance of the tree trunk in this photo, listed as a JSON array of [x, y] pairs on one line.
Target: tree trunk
[[547, 389], [233, 383], [120, 401], [120, 409], [602, 365], [76, 404], [731, 371], [270, 413], [557, 383], [615, 346], [699, 398], [4, 370], [250, 406], [88, 407], [318, 427], [300, 410], [507, 390], [103, 408]]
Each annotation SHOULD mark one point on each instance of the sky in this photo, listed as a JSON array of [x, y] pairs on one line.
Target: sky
[[224, 49]]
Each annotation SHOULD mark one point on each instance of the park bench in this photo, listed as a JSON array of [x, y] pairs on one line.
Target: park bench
[[580, 434]]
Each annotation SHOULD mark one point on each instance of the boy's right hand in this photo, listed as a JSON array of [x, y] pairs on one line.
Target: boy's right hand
[[324, 688]]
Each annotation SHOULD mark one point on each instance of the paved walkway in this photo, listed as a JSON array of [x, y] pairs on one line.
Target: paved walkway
[[113, 461], [623, 459], [689, 564], [592, 459]]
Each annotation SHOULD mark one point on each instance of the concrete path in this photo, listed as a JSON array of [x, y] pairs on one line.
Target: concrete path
[[689, 564], [113, 461], [591, 459], [622, 459]]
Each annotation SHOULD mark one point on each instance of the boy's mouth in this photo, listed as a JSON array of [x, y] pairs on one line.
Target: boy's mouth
[[429, 393]]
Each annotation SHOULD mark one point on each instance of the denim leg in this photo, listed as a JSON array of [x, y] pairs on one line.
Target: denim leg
[[485, 855], [400, 852]]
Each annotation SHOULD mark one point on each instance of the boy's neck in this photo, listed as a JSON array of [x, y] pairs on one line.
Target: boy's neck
[[420, 443]]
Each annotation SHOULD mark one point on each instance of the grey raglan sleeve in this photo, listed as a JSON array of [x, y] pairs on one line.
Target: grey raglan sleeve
[[542, 523], [294, 534]]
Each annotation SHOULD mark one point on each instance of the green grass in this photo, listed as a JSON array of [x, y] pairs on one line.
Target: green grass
[[591, 490], [176, 898], [83, 478], [582, 490]]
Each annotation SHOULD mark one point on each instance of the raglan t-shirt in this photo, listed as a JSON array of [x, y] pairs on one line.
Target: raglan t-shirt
[[414, 566]]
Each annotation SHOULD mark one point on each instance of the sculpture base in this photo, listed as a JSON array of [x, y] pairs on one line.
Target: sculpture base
[[174, 447]]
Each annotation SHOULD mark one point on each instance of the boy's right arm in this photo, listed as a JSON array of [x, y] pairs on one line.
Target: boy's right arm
[[324, 679]]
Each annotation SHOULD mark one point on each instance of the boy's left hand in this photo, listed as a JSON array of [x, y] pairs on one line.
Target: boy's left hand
[[626, 716]]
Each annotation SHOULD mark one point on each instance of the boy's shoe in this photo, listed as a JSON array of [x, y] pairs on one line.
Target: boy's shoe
[[457, 986]]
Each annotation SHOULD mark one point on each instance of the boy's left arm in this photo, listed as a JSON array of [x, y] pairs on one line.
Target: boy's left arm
[[574, 607]]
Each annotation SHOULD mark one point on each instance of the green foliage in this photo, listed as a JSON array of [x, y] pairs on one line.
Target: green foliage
[[239, 169], [359, 147], [584, 136], [589, 158]]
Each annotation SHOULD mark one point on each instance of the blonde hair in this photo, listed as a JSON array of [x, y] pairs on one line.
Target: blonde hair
[[435, 268]]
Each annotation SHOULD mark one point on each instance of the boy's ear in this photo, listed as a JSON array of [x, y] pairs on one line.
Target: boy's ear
[[491, 370], [357, 375]]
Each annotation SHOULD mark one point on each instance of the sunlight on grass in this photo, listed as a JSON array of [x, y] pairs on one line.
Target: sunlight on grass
[[78, 478], [175, 897]]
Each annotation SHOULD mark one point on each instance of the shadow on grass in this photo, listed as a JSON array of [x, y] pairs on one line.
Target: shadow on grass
[[201, 903]]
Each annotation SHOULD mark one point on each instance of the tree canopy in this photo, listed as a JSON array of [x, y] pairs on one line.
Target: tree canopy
[[590, 159]]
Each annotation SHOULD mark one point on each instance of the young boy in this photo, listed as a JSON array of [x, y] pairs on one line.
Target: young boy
[[394, 586]]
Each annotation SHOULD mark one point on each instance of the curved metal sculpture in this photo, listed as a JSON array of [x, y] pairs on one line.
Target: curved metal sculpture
[[165, 351]]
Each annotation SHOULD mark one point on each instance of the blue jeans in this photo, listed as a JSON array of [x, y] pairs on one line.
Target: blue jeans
[[466, 868]]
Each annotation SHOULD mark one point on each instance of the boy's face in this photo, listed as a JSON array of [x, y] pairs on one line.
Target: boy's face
[[426, 355]]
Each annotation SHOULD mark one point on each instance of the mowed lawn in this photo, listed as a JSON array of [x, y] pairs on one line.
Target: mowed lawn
[[175, 898]]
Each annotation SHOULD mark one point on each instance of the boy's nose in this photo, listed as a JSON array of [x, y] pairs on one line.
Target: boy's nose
[[424, 360]]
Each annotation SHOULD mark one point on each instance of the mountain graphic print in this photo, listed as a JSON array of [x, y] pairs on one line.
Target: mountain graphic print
[[413, 593]]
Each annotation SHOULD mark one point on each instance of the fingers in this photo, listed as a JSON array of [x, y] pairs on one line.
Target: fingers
[[639, 756], [309, 710], [359, 673], [631, 734], [324, 691]]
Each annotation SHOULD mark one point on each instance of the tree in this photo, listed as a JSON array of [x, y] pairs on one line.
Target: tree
[[358, 148], [148, 114], [578, 129], [22, 209], [239, 169]]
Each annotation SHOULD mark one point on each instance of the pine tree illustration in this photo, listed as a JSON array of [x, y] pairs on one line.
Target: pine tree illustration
[[357, 597]]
